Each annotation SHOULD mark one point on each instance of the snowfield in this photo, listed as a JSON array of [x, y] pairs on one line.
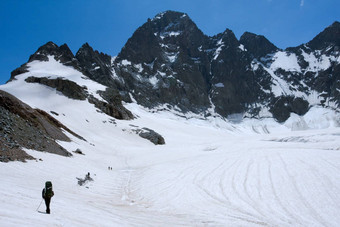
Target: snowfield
[[209, 173]]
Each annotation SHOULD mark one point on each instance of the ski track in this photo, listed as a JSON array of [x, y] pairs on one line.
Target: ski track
[[237, 189], [303, 201], [288, 216], [253, 186]]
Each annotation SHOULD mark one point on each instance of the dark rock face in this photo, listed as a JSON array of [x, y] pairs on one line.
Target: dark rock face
[[232, 82], [328, 37], [257, 45], [118, 112], [22, 69], [166, 53], [284, 105], [24, 127], [95, 65]]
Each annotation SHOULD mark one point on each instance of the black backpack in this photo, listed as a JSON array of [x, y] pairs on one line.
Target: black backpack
[[48, 189]]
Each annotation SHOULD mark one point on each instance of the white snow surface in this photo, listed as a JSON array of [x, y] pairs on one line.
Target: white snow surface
[[315, 64], [241, 47], [171, 56], [125, 62], [219, 85], [176, 33], [286, 61], [153, 80], [210, 172]]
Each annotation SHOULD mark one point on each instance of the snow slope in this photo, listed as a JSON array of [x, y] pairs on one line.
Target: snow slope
[[209, 173]]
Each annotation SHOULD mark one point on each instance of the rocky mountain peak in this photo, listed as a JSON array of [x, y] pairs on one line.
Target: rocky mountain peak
[[142, 46], [62, 53], [170, 16], [96, 65], [84, 48], [257, 45], [227, 37], [172, 21], [87, 52], [168, 29], [328, 37]]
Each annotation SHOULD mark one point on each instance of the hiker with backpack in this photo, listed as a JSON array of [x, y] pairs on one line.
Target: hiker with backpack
[[47, 194]]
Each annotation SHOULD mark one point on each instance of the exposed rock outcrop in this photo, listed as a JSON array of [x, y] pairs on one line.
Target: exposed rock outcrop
[[95, 65], [113, 107], [24, 127], [68, 88], [151, 135], [257, 45], [284, 105]]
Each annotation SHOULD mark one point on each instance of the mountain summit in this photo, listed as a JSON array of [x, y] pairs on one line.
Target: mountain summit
[[328, 37]]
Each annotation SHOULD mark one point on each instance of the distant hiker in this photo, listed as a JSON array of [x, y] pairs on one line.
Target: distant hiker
[[47, 194]]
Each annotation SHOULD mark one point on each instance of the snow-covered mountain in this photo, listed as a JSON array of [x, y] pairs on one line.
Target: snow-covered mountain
[[198, 130], [169, 61]]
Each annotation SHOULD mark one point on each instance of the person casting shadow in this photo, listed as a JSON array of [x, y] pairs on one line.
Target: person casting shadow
[[47, 194]]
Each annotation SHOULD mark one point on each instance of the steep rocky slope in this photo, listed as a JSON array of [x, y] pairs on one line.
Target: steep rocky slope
[[24, 127]]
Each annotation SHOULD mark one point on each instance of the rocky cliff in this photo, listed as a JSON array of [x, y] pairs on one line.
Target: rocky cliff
[[23, 127]]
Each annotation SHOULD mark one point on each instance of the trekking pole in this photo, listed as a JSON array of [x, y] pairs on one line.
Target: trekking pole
[[39, 204]]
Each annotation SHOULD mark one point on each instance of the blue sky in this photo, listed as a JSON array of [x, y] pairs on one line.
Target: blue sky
[[106, 25]]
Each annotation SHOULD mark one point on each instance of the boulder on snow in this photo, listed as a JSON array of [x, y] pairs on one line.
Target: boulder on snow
[[151, 135]]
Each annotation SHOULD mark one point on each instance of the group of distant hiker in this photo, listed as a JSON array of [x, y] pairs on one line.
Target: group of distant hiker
[[109, 168]]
